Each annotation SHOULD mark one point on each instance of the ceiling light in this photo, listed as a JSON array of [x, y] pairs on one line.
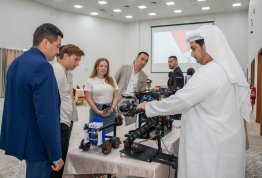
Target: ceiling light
[[236, 4], [151, 13], [94, 13], [201, 0], [142, 7], [178, 11], [129, 16], [205, 8], [78, 6], [170, 3], [117, 10], [102, 2]]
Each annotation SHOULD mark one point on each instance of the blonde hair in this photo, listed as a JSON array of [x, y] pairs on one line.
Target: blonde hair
[[108, 78]]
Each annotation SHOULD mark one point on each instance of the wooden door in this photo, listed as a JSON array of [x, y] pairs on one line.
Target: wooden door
[[252, 77], [259, 91]]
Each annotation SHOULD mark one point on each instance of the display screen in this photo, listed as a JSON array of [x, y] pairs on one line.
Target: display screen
[[170, 40]]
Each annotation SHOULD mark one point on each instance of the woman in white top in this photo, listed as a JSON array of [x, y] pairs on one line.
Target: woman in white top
[[101, 93]]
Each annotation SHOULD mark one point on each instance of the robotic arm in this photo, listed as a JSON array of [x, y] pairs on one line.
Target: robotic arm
[[159, 125]]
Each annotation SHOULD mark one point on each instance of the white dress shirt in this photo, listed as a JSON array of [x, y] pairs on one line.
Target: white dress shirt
[[131, 88]]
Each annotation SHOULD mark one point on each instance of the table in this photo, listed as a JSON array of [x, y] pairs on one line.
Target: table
[[79, 96], [94, 161], [79, 93]]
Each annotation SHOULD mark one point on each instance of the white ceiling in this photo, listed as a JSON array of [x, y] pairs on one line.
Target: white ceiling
[[188, 7]]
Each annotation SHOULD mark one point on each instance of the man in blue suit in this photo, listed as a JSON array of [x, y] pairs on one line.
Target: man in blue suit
[[30, 123]]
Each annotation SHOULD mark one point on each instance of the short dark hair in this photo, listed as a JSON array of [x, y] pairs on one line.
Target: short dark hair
[[143, 52], [201, 42], [46, 30], [173, 57], [190, 71], [70, 49]]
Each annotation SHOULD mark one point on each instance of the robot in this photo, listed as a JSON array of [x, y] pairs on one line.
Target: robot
[[96, 135], [159, 125]]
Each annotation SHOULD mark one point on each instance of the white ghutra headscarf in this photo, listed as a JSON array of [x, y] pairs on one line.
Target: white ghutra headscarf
[[218, 48]]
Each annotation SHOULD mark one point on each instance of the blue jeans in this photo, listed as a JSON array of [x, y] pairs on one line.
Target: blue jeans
[[38, 169], [106, 120]]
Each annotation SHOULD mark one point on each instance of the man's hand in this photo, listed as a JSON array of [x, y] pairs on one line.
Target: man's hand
[[142, 105], [58, 166]]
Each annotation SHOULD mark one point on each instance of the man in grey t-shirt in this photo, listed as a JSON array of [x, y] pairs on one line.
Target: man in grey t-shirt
[[68, 59]]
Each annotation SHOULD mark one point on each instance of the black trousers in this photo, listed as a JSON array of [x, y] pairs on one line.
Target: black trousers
[[65, 137]]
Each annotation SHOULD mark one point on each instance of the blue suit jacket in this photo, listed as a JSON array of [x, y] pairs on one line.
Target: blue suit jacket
[[30, 124]]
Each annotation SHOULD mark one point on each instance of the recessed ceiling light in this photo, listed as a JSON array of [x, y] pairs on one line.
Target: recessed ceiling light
[[78, 6], [201, 0], [142, 7], [101, 2], [171, 3], [236, 4], [129, 16], [178, 11], [94, 13], [205, 8], [117, 10], [151, 13]]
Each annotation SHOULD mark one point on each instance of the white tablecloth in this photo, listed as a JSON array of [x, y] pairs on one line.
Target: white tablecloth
[[94, 161]]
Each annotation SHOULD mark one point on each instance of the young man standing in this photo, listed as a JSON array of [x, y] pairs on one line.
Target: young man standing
[[68, 59]]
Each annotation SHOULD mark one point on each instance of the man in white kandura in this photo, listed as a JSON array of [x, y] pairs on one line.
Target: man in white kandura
[[213, 104]]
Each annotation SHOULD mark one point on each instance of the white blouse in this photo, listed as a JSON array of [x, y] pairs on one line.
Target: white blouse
[[102, 92]]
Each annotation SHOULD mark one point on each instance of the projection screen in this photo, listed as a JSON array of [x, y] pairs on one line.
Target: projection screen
[[170, 40]]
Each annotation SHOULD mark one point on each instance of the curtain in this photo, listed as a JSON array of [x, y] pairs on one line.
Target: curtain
[[6, 58]]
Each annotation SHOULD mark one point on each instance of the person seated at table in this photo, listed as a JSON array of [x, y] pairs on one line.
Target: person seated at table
[[101, 93]]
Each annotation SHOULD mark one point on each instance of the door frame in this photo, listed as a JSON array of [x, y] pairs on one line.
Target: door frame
[[259, 90]]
